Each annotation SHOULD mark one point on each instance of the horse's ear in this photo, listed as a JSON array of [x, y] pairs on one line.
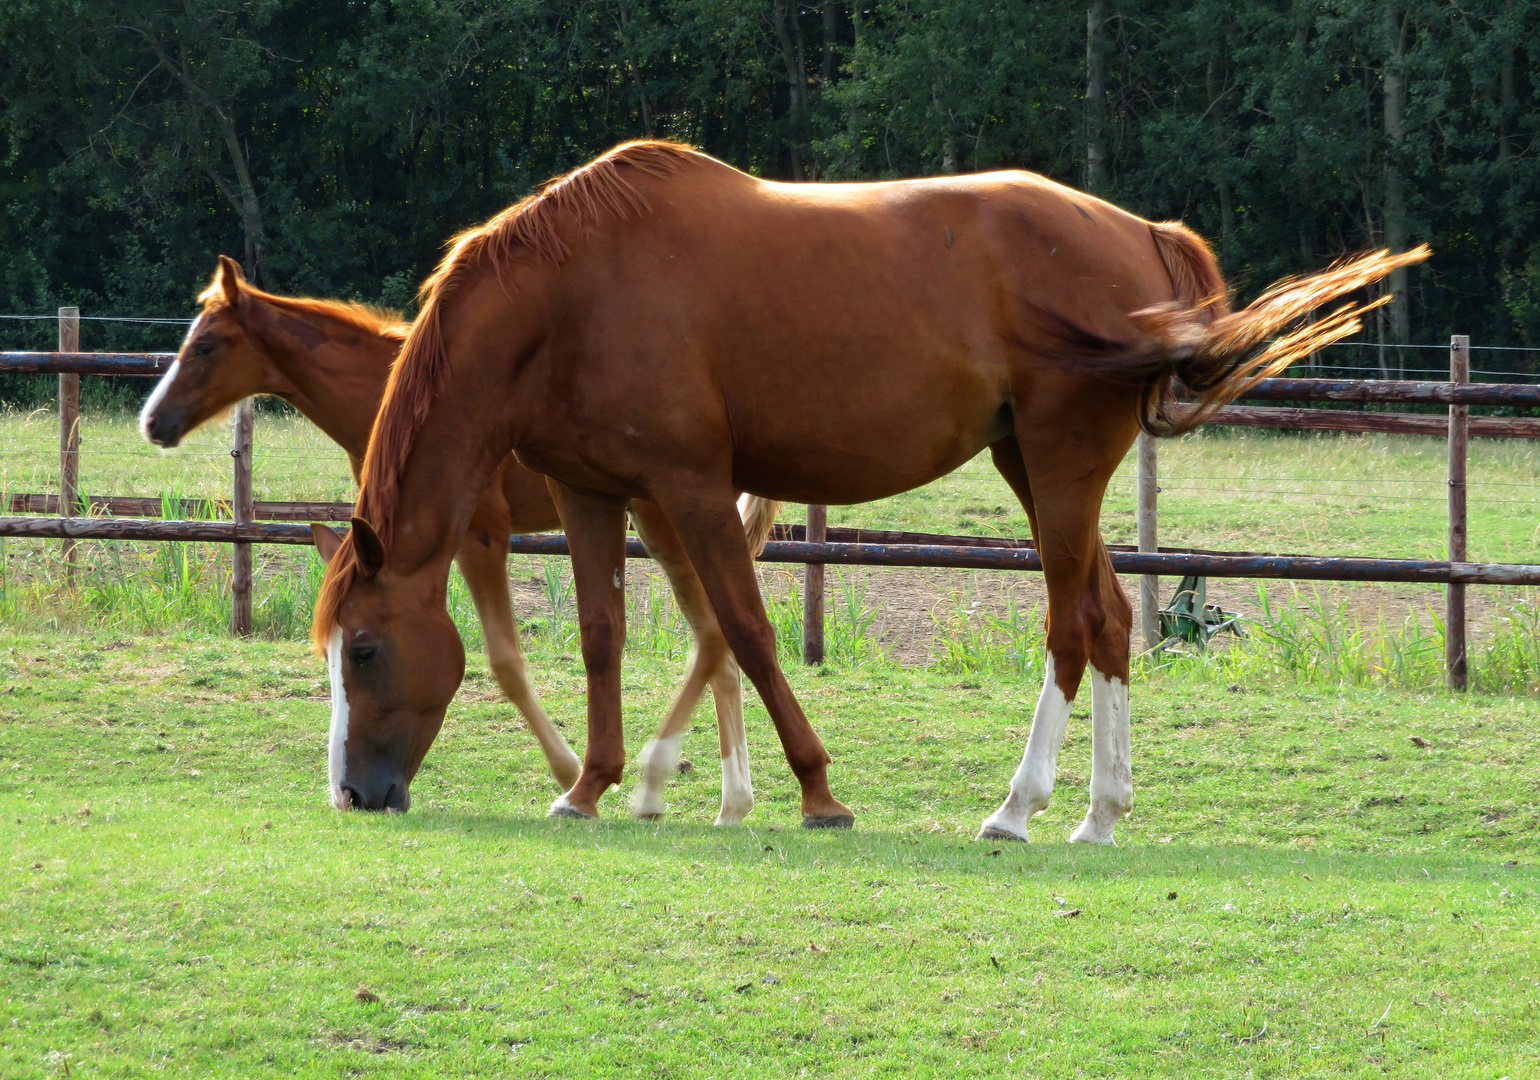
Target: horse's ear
[[231, 277], [327, 540], [368, 552]]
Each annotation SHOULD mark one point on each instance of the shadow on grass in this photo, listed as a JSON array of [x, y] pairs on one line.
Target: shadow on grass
[[803, 850]]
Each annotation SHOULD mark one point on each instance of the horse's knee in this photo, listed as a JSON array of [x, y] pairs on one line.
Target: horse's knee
[[753, 644], [603, 637]]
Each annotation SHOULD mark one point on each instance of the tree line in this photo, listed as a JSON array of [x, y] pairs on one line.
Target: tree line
[[333, 146]]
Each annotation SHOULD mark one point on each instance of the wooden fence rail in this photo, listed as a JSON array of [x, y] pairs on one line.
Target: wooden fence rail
[[816, 544], [948, 556]]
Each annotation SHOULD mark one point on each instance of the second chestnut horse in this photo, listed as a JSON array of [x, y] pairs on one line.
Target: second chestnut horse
[[330, 360]]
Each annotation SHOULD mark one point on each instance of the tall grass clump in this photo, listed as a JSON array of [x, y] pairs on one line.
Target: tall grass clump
[[975, 640]]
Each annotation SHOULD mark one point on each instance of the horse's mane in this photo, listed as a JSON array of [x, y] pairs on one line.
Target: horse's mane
[[366, 317], [535, 226]]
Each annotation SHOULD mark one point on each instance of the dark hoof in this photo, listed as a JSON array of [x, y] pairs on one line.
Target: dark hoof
[[999, 834], [648, 817], [828, 821]]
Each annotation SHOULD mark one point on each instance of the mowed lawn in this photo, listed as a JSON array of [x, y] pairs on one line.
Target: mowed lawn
[[1313, 883]]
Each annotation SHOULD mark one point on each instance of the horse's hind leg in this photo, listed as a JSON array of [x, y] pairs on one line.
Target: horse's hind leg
[[712, 533], [483, 561], [1112, 777], [711, 663], [1088, 616]]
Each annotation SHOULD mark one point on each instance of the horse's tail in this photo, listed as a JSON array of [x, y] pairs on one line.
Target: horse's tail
[[1219, 354], [758, 519]]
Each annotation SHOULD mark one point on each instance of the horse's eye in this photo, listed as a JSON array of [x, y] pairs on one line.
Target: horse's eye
[[361, 654], [203, 348]]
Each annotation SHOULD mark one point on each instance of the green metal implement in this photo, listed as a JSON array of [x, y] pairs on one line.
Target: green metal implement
[[1189, 618]]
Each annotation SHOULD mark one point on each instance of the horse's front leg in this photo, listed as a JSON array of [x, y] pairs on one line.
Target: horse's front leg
[[483, 561], [596, 535]]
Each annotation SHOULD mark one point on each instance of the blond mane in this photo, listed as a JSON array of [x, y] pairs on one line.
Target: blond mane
[[535, 226], [369, 318]]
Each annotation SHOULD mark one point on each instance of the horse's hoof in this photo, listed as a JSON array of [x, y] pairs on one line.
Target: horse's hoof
[[651, 815], [561, 808], [828, 821], [989, 832]]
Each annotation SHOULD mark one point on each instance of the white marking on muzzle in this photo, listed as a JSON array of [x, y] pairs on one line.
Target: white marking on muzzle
[[164, 386], [157, 397], [336, 745]]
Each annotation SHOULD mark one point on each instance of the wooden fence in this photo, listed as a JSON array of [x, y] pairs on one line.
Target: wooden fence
[[815, 545]]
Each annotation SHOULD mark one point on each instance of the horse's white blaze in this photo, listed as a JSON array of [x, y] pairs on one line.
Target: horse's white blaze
[[157, 396], [337, 739], [1112, 774], [655, 765], [159, 393], [1033, 783]]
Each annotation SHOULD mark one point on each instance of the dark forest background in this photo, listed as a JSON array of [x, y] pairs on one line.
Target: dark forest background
[[333, 146]]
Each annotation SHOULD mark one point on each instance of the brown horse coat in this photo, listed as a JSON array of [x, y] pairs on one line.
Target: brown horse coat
[[330, 360], [660, 325]]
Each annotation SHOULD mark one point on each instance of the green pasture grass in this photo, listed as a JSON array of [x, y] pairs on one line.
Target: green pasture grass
[[291, 459], [1312, 883]]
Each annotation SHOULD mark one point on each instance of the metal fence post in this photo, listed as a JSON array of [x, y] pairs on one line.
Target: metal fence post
[[245, 512], [1455, 657], [69, 432], [1149, 584], [812, 588]]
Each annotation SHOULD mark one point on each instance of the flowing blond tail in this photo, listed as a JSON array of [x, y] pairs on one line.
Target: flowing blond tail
[[758, 519], [1213, 356]]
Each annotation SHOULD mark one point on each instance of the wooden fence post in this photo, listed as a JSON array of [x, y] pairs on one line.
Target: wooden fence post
[[245, 512], [1149, 584], [1455, 658], [812, 588], [69, 433]]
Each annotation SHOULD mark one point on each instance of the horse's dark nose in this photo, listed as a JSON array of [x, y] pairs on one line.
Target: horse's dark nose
[[159, 432], [392, 796]]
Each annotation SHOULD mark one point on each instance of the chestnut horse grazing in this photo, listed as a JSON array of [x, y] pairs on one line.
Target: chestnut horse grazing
[[330, 361], [659, 325]]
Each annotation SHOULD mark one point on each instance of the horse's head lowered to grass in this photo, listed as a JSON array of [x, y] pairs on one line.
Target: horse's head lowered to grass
[[394, 664]]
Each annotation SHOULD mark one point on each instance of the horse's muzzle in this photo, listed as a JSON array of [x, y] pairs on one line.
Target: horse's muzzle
[[161, 432], [393, 797]]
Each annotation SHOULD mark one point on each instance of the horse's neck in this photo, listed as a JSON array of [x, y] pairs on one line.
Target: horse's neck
[[465, 433], [335, 374]]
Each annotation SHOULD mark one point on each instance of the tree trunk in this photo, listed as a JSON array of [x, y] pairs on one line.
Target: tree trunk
[[243, 196], [1095, 99], [1505, 99], [796, 80], [1395, 27], [636, 75], [830, 36], [1213, 78]]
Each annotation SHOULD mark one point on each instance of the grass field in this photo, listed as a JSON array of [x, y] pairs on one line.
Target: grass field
[[1302, 890], [1321, 877]]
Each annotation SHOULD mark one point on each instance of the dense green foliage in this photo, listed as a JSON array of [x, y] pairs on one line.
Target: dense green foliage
[[335, 146]]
